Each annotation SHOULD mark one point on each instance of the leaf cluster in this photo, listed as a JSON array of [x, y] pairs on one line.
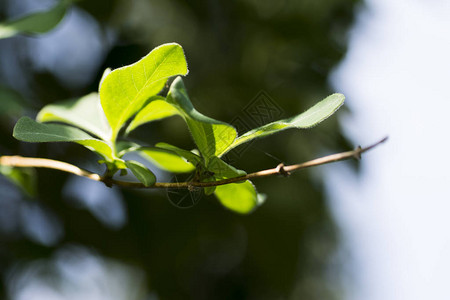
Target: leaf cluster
[[129, 97]]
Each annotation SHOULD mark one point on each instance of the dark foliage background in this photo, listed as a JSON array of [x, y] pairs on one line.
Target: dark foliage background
[[235, 50]]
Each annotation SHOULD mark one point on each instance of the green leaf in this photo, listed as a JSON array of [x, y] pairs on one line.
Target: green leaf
[[189, 155], [123, 147], [125, 90], [156, 109], [219, 170], [309, 118], [212, 137], [105, 73], [25, 178], [239, 197], [36, 23], [167, 160], [85, 113], [28, 130], [143, 174], [222, 170], [113, 166]]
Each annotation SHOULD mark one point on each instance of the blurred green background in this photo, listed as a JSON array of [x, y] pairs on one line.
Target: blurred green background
[[73, 237]]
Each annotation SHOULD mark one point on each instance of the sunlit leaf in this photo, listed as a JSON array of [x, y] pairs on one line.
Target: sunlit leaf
[[309, 118], [28, 130], [123, 147], [85, 113], [36, 23], [190, 156], [141, 172], [105, 73], [114, 165], [239, 197], [222, 170], [212, 137], [156, 109], [167, 160], [25, 178], [125, 90]]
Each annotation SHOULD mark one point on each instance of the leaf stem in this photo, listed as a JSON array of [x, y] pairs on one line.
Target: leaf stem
[[19, 161]]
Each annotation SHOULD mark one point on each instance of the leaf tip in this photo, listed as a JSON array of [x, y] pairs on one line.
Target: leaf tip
[[19, 127], [340, 98]]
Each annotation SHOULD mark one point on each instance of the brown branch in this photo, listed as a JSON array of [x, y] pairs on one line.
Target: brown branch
[[19, 161], [27, 162]]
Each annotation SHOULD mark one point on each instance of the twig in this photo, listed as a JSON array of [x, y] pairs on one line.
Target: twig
[[27, 162], [19, 161]]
